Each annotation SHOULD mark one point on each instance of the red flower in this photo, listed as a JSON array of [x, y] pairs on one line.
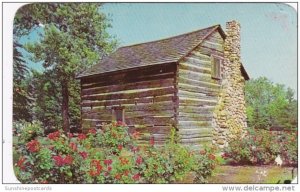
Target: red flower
[[54, 136], [225, 155], [83, 154], [120, 123], [139, 160], [202, 152], [211, 157], [68, 160], [126, 172], [118, 176], [109, 168], [81, 136], [33, 146], [92, 131], [20, 163], [70, 135], [120, 147], [73, 146], [135, 135], [59, 161], [135, 149], [51, 147], [107, 161], [44, 182], [151, 141], [136, 177], [95, 167]]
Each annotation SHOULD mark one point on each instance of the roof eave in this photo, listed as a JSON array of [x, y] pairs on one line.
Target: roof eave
[[124, 70], [244, 73]]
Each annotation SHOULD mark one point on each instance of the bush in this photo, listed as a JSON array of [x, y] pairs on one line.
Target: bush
[[27, 131], [262, 147], [107, 155]]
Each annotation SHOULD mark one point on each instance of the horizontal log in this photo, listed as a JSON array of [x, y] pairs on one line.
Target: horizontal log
[[194, 133], [152, 129], [131, 95], [196, 76], [150, 120], [194, 109], [206, 50], [89, 103], [161, 106], [212, 45], [130, 114], [195, 118], [193, 82], [92, 123], [195, 68], [102, 116], [98, 110], [209, 96], [128, 86], [200, 56], [197, 62], [202, 140], [197, 89], [187, 102], [188, 124]]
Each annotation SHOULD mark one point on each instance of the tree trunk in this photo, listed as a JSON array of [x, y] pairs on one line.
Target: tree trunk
[[65, 107]]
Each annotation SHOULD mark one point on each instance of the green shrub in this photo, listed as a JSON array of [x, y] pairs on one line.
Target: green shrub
[[27, 131], [107, 155], [262, 147]]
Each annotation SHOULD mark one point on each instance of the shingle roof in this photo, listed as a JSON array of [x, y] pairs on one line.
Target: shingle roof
[[151, 53]]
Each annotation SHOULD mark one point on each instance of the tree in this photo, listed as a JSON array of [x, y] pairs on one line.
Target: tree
[[270, 104], [21, 97], [74, 37], [47, 99]]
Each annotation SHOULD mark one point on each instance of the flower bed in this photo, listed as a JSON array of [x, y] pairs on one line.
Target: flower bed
[[260, 147], [108, 155]]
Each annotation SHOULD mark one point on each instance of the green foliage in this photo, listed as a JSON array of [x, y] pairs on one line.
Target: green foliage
[[270, 104], [72, 38], [260, 146], [205, 164], [21, 97], [96, 157], [46, 91], [27, 131]]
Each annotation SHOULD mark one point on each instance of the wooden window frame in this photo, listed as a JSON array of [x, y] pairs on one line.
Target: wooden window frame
[[213, 64], [115, 111]]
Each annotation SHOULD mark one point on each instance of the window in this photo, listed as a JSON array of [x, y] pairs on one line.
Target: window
[[118, 114], [216, 67]]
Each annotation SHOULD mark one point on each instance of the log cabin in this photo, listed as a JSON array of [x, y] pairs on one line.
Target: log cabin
[[193, 82]]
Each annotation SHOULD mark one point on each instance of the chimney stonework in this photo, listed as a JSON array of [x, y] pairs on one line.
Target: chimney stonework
[[229, 119]]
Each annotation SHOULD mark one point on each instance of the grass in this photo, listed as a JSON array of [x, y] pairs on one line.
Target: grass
[[252, 174]]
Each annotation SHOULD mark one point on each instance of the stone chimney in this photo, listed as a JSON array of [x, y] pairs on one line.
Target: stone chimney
[[230, 112]]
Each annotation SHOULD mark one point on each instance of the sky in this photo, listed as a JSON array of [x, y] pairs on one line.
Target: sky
[[268, 30]]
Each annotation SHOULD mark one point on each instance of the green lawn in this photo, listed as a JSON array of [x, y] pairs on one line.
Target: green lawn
[[252, 174]]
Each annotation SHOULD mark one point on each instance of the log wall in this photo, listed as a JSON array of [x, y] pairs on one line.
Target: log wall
[[198, 92], [148, 98]]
